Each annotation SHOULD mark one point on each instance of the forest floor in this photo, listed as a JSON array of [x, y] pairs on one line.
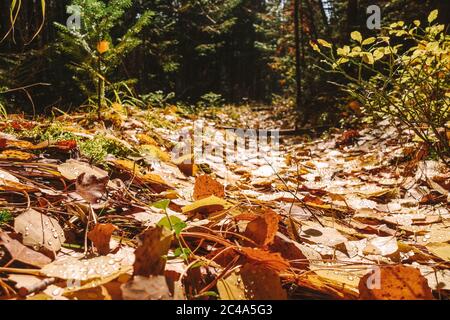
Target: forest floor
[[90, 211]]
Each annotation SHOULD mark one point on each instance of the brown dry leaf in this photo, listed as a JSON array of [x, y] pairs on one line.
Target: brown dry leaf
[[90, 187], [150, 260], [186, 164], [101, 237], [262, 230], [207, 205], [21, 253], [206, 186], [299, 255], [143, 288], [16, 155], [70, 268], [262, 283], [20, 144], [396, 283], [322, 235], [37, 229], [271, 260], [128, 165], [72, 169]]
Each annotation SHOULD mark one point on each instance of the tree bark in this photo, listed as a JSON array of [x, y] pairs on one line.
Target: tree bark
[[298, 76]]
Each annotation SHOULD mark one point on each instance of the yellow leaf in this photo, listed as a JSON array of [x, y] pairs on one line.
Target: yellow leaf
[[324, 43], [314, 46], [343, 51], [231, 288], [368, 41], [356, 35], [433, 16], [207, 205], [441, 250], [155, 152], [368, 58], [16, 155]]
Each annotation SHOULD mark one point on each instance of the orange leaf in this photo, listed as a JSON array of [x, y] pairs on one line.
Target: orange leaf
[[394, 283], [273, 261], [66, 145], [262, 283], [262, 230], [206, 186], [101, 236]]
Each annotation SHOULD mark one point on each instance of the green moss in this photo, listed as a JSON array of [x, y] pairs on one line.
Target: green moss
[[56, 132], [98, 148], [5, 216]]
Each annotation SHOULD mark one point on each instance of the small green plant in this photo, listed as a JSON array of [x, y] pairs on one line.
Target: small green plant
[[403, 73], [5, 216], [211, 100], [157, 98], [94, 54], [174, 224]]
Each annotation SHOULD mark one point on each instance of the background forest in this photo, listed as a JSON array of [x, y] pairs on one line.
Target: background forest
[[185, 50]]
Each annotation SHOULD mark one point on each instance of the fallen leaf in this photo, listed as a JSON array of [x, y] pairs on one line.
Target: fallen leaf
[[272, 260], [21, 253], [381, 246], [150, 255], [186, 164], [72, 169], [231, 287], [206, 186], [5, 175], [441, 250], [71, 268], [90, 187], [262, 283], [16, 155], [146, 288], [262, 230], [207, 205], [395, 283], [101, 237], [38, 229], [322, 235]]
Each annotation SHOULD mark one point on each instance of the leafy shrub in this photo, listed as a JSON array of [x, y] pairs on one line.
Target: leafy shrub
[[157, 98], [211, 99], [403, 73]]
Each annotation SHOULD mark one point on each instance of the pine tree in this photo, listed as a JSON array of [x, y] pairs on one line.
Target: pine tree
[[93, 52]]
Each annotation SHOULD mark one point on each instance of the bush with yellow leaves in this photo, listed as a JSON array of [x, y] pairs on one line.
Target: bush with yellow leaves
[[403, 73]]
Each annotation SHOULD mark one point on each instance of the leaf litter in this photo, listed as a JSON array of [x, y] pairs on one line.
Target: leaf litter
[[348, 215]]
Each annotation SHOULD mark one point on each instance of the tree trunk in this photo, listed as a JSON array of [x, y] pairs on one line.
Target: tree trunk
[[352, 15], [298, 77]]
